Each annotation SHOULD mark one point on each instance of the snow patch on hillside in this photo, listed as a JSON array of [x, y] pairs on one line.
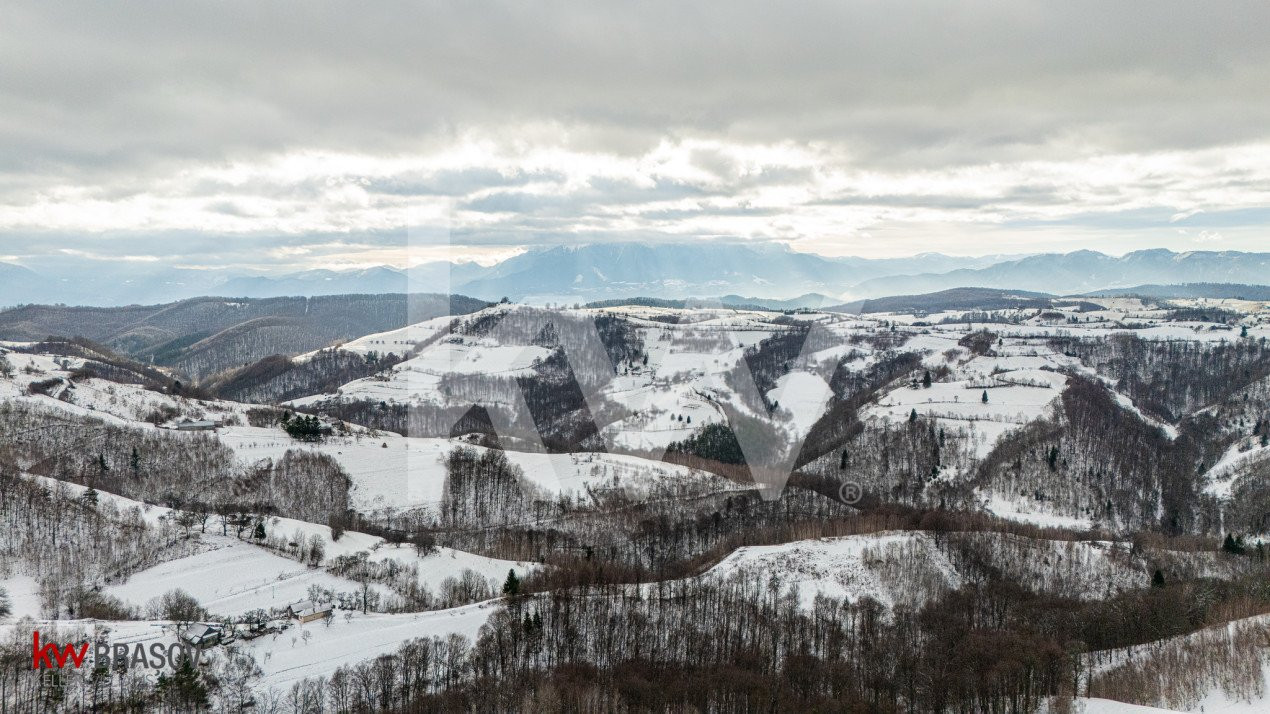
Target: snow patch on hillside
[[1034, 513], [890, 568], [288, 657], [233, 577], [1232, 465], [24, 596]]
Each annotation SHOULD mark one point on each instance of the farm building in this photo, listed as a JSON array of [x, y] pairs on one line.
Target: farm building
[[308, 610]]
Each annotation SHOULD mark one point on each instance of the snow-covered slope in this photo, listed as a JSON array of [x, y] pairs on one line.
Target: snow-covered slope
[[891, 568], [232, 577], [1224, 668], [392, 472], [911, 568], [290, 656]]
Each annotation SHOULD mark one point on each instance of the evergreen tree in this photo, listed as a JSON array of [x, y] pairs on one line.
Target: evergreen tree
[[714, 441], [511, 586], [303, 428], [912, 416], [926, 379], [984, 399], [1233, 545], [185, 690]]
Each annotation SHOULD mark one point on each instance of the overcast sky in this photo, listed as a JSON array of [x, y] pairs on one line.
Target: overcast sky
[[314, 134]]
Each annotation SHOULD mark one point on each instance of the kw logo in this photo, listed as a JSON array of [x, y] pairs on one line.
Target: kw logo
[[43, 657]]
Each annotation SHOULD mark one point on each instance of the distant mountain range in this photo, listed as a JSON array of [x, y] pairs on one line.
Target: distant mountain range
[[1085, 271], [16, 281], [606, 271], [764, 274]]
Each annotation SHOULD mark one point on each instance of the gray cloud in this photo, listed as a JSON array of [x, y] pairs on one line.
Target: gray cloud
[[116, 100], [100, 86], [458, 183]]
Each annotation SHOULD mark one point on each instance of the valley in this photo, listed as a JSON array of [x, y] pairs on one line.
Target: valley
[[519, 490]]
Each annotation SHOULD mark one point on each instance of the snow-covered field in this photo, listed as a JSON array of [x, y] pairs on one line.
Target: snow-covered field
[[398, 342], [233, 577], [445, 563], [288, 657], [418, 379], [395, 472]]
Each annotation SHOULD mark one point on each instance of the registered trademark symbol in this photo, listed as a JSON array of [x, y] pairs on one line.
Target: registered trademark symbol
[[850, 493]]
